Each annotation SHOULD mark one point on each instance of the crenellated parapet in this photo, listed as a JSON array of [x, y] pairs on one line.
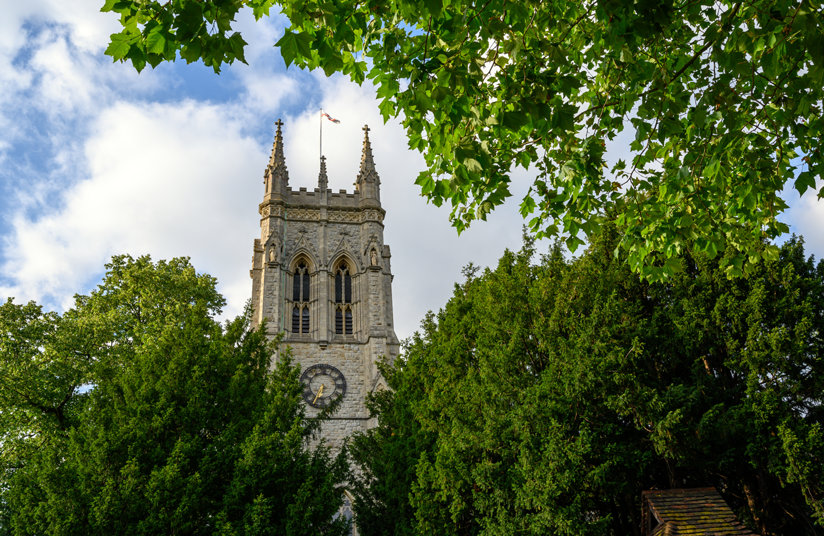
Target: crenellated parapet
[[321, 276]]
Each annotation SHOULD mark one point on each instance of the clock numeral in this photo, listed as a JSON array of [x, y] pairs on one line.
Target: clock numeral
[[336, 390]]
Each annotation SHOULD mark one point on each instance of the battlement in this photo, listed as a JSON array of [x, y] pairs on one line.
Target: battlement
[[278, 191], [304, 197], [317, 238], [343, 194]]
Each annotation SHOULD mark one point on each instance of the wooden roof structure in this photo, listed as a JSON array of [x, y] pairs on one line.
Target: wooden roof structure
[[689, 511]]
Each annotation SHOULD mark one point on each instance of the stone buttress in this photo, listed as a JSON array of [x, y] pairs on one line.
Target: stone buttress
[[321, 274]]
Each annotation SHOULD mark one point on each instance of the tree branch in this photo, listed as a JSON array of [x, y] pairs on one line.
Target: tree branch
[[675, 76]]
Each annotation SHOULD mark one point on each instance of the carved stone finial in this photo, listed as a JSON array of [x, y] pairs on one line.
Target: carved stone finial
[[277, 159], [368, 182], [367, 163], [323, 180], [276, 175]]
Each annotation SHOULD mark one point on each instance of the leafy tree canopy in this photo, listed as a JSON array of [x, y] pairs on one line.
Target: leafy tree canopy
[[136, 412], [723, 101], [545, 397]]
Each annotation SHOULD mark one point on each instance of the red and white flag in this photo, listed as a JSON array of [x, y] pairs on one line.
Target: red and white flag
[[329, 117]]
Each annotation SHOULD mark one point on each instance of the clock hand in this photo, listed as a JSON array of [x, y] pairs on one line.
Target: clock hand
[[320, 392]]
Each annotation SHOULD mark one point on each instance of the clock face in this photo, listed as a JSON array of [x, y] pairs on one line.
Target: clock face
[[322, 384]]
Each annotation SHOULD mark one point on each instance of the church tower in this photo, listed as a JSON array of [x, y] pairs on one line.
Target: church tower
[[321, 275]]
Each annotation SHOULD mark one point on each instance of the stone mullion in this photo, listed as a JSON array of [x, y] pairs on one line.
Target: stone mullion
[[321, 304], [324, 333], [322, 222]]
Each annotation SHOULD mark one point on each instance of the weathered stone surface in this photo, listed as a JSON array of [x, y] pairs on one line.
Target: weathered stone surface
[[323, 229]]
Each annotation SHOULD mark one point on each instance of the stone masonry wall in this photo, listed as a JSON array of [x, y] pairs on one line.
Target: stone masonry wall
[[325, 227]]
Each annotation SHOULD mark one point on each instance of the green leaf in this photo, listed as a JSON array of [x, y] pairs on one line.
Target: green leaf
[[191, 52], [304, 41], [572, 243], [155, 41], [119, 46], [711, 249], [189, 21], [515, 120], [673, 265], [564, 117], [711, 169], [804, 181], [288, 45], [770, 253], [434, 7], [237, 44], [473, 165], [527, 206], [426, 183]]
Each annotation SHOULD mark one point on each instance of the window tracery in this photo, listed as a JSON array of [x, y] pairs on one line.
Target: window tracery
[[343, 300], [300, 298]]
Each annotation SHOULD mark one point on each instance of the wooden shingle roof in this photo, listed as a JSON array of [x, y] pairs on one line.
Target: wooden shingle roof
[[693, 512]]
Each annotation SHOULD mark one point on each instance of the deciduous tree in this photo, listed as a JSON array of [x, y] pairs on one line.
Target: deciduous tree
[[722, 102]]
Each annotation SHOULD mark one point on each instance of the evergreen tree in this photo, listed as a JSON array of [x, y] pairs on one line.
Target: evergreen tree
[[387, 455], [137, 413], [547, 396]]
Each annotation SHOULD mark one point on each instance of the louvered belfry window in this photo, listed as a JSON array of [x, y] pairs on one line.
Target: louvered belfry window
[[300, 298], [347, 320], [343, 300]]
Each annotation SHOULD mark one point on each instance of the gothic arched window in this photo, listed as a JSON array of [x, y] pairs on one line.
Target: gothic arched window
[[343, 300], [300, 298]]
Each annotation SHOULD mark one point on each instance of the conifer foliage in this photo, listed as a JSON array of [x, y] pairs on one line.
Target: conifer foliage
[[546, 396], [135, 412]]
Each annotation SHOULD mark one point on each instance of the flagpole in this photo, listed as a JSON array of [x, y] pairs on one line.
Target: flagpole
[[321, 132]]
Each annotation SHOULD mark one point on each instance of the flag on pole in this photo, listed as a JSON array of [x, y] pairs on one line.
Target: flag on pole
[[329, 117]]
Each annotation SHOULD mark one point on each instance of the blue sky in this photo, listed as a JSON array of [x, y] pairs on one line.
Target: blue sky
[[96, 160]]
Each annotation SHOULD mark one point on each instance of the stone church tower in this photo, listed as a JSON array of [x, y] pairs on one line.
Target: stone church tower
[[321, 274]]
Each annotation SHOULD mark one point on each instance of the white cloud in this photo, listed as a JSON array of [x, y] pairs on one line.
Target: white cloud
[[90, 29], [71, 80], [168, 180], [64, 82], [265, 85], [261, 36], [265, 93], [81, 21], [806, 218], [184, 177], [54, 77]]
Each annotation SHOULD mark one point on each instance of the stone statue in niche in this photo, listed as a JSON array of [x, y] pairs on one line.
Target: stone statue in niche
[[373, 255], [272, 253]]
